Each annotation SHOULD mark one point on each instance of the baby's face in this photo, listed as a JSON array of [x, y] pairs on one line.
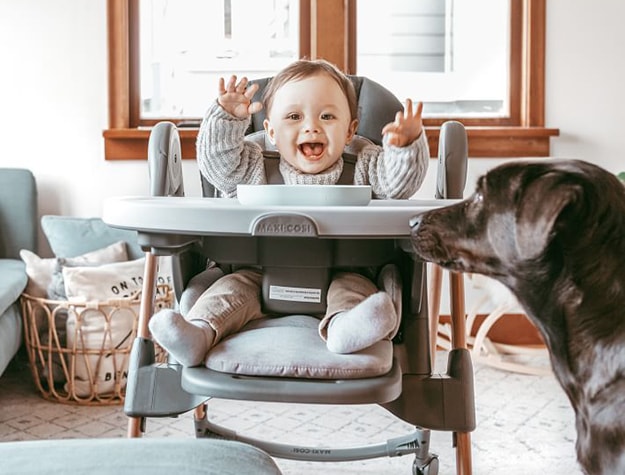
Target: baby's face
[[310, 123]]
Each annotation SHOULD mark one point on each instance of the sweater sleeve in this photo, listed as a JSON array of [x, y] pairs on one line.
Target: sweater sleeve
[[393, 172], [224, 157]]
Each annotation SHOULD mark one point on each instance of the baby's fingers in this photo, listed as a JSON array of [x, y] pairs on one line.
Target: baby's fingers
[[399, 118], [242, 85], [251, 90], [408, 108], [419, 110], [255, 107], [232, 83], [390, 127], [223, 88]]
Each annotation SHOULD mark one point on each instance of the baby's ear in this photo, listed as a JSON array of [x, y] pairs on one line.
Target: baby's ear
[[270, 131], [353, 126]]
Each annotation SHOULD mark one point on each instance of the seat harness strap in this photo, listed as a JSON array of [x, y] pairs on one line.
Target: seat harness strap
[[274, 177]]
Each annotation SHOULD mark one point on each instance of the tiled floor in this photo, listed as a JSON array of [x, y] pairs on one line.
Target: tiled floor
[[525, 425]]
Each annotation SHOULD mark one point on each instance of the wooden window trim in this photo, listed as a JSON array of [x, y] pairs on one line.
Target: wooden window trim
[[524, 135]]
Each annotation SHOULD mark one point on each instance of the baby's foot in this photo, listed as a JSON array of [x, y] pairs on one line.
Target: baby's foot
[[187, 342], [370, 321]]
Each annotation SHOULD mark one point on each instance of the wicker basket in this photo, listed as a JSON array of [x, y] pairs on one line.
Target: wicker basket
[[79, 352]]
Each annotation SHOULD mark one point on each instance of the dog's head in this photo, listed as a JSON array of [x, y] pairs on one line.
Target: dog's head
[[518, 213]]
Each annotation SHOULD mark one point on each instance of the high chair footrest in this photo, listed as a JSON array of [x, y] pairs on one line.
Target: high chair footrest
[[377, 390]]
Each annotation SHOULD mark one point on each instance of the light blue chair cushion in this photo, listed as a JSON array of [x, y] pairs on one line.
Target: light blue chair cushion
[[71, 237], [134, 456], [18, 212], [13, 280], [10, 337], [18, 230]]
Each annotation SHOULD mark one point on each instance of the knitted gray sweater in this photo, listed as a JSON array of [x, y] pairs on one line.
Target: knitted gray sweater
[[226, 159]]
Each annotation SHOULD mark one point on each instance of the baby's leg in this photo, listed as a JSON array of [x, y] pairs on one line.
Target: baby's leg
[[197, 286], [223, 309], [358, 315]]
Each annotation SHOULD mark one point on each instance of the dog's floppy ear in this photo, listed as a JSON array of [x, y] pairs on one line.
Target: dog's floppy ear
[[542, 202]]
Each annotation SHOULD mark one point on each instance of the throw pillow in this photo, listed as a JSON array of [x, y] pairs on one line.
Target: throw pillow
[[40, 270], [101, 335], [69, 236], [111, 281]]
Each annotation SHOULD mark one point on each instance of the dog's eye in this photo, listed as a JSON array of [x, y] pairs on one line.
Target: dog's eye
[[478, 197]]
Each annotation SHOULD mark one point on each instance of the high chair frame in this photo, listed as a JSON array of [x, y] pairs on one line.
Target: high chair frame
[[411, 391]]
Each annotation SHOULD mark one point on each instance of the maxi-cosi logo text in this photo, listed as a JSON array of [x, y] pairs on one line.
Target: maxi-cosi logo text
[[285, 225], [285, 228]]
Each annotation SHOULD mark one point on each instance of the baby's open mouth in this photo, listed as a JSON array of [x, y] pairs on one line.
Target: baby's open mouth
[[311, 149]]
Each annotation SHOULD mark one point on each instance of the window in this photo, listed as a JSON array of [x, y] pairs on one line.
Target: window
[[497, 93], [453, 55], [182, 55]]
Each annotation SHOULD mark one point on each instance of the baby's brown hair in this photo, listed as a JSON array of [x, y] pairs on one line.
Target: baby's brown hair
[[305, 68]]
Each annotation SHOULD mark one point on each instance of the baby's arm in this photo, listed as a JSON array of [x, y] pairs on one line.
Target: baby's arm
[[397, 170], [407, 126], [224, 158]]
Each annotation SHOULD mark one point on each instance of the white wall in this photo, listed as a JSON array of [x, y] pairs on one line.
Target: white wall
[[53, 76]]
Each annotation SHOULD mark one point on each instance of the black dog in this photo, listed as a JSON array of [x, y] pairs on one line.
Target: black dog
[[553, 232]]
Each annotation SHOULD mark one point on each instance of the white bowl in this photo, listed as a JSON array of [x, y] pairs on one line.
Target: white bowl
[[304, 195]]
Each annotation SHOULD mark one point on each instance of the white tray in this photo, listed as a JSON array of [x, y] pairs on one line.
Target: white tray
[[226, 216], [304, 195]]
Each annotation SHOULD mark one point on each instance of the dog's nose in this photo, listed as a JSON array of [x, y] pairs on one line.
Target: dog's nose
[[415, 221]]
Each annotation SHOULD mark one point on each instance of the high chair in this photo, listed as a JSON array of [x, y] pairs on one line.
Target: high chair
[[396, 375]]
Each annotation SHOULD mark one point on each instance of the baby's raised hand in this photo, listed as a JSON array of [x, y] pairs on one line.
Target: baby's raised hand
[[236, 98], [407, 126]]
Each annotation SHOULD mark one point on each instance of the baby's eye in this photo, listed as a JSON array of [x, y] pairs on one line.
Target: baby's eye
[[327, 116], [294, 116]]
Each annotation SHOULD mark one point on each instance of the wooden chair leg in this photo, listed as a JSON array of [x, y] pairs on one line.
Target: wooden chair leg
[[463, 453], [458, 313], [134, 427], [148, 293], [459, 340]]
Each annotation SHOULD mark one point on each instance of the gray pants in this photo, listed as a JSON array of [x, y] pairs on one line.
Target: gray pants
[[234, 300]]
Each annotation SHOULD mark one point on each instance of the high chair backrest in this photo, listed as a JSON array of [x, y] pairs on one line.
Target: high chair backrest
[[377, 107]]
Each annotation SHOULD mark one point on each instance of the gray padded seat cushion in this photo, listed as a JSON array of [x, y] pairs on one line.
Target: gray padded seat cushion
[[291, 346], [148, 456]]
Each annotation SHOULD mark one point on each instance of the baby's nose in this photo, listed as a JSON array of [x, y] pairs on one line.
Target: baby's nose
[[311, 126]]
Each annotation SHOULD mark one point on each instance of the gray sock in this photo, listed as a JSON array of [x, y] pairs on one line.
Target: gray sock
[[187, 342], [370, 321]]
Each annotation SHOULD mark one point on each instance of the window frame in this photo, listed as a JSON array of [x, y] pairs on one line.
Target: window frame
[[522, 134]]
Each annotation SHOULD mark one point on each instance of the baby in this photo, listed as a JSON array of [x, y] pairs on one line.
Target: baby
[[311, 109]]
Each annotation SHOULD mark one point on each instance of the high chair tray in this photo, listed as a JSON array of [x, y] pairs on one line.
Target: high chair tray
[[304, 195], [227, 216]]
